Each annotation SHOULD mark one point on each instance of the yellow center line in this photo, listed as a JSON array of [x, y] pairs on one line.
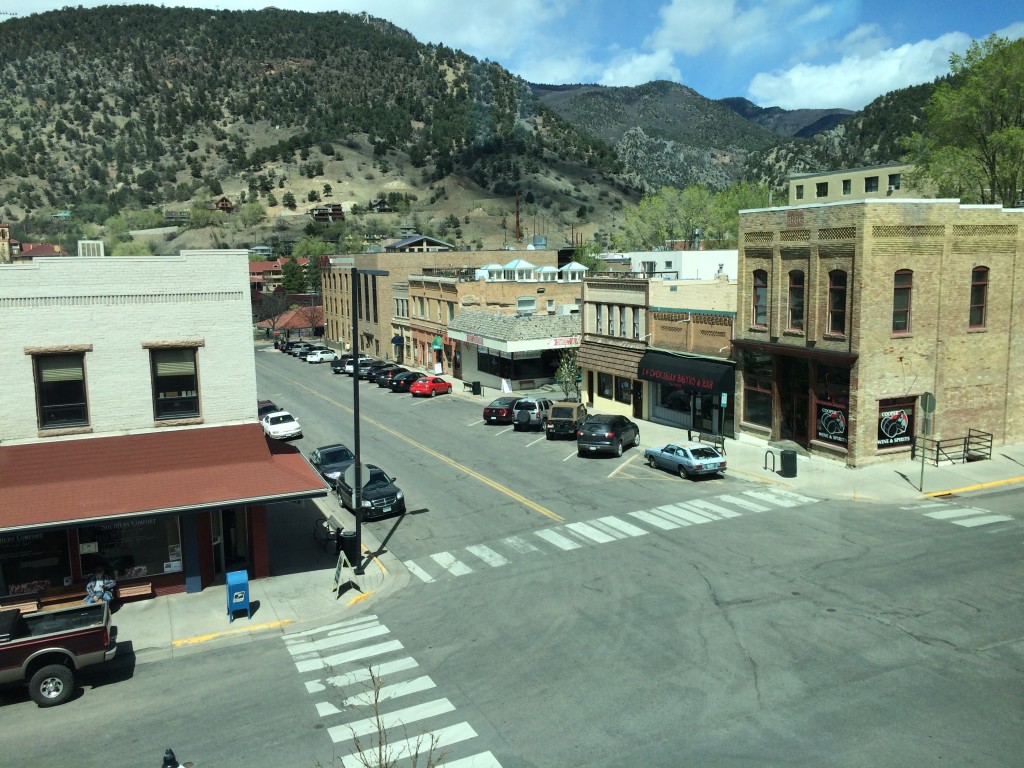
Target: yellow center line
[[227, 632], [441, 457]]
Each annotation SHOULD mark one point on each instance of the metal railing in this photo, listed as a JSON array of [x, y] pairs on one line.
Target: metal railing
[[976, 446]]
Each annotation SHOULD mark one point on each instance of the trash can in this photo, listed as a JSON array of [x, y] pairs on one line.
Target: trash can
[[477, 389], [788, 464], [349, 545]]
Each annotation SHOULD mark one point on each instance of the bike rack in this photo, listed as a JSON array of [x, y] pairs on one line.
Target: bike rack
[[766, 455]]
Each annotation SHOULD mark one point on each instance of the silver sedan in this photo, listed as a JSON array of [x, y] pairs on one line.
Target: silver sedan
[[686, 459]]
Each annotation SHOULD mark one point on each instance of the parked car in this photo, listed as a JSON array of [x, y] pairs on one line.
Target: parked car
[[531, 412], [352, 362], [687, 459], [263, 407], [288, 346], [338, 364], [501, 410], [428, 386], [281, 425], [331, 461], [401, 382], [376, 370], [606, 434], [320, 355], [366, 369], [305, 353], [379, 497], [300, 348], [360, 366], [384, 377], [564, 419], [46, 648]]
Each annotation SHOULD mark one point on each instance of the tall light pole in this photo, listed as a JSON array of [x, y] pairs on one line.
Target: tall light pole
[[357, 478]]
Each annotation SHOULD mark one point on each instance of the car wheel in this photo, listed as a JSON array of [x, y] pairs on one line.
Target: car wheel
[[52, 685], [618, 448], [653, 462], [682, 472], [449, 390], [433, 393], [636, 439]]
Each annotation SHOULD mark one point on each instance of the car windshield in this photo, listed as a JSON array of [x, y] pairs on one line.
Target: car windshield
[[336, 455], [704, 453], [281, 418], [561, 413], [378, 479]]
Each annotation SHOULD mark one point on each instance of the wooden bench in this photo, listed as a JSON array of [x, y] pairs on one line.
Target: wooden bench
[[327, 530], [716, 440], [136, 589], [25, 606], [61, 597]]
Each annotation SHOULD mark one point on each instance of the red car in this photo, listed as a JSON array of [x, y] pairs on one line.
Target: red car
[[501, 411], [430, 385]]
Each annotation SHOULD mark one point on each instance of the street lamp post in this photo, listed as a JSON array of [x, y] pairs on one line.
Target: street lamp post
[[357, 477]]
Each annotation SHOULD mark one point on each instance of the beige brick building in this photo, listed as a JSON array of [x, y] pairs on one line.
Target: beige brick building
[[851, 314], [874, 181]]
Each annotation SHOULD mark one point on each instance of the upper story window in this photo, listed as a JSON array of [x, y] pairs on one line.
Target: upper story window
[[871, 184], [622, 321], [903, 283], [760, 300], [636, 322], [796, 300], [799, 191], [175, 383], [611, 322], [847, 186], [837, 301], [600, 314], [60, 391], [894, 181], [821, 189], [979, 296]]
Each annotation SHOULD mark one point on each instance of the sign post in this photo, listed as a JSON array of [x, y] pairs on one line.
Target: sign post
[[927, 408]]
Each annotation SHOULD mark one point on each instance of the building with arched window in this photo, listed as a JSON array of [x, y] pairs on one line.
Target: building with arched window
[[871, 327]]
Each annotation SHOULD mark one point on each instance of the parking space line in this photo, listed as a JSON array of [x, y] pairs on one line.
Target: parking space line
[[569, 456], [539, 439], [621, 466]]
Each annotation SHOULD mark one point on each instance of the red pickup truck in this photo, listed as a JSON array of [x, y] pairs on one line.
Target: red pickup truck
[[46, 648]]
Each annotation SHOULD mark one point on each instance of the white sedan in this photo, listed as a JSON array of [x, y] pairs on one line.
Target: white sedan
[[321, 355], [281, 425]]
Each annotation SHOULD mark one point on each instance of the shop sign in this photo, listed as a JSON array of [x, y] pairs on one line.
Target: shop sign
[[895, 423], [565, 341], [831, 423], [472, 338], [528, 355]]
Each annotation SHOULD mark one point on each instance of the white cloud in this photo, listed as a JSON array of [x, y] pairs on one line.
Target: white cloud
[[859, 77], [638, 68]]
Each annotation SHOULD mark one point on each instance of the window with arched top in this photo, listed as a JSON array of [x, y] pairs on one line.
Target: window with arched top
[[902, 286], [796, 300], [759, 310], [979, 297]]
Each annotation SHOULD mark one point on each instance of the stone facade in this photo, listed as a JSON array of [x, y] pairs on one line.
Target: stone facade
[[931, 304]]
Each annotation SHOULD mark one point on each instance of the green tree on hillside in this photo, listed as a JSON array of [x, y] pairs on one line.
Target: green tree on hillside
[[973, 146], [293, 278]]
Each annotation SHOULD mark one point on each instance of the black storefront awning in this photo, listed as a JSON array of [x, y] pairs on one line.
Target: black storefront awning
[[693, 373]]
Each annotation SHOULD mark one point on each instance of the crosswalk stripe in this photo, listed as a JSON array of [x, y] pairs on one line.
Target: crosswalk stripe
[[341, 626], [519, 545], [682, 514], [450, 563], [557, 539], [655, 520], [708, 506], [794, 495], [383, 693], [772, 498], [362, 675], [399, 717], [488, 555], [621, 525], [946, 514], [396, 750], [590, 532], [333, 641], [483, 760], [415, 570], [744, 503], [983, 520], [357, 654]]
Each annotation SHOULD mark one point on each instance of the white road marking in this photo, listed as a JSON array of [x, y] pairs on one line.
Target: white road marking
[[571, 455], [385, 692], [984, 520], [483, 760], [538, 440], [334, 640], [357, 654], [557, 539], [682, 514], [946, 514], [399, 717], [795, 496], [624, 528], [362, 675], [398, 750], [590, 532], [341, 625], [740, 502], [707, 506], [450, 563], [519, 545], [772, 498], [488, 555], [655, 520], [415, 570]]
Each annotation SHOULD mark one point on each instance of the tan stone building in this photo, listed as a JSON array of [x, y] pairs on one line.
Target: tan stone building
[[659, 350], [875, 181], [854, 318]]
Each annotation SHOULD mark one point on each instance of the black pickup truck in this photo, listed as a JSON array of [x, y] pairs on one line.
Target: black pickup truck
[[46, 648]]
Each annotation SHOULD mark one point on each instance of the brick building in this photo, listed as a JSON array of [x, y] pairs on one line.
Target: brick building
[[130, 435], [852, 314]]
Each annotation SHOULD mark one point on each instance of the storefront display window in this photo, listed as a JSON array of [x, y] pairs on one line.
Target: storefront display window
[[623, 390], [30, 562], [758, 373], [604, 385], [896, 422], [832, 404], [132, 548]]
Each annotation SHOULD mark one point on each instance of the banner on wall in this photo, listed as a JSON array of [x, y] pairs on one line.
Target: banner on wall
[[895, 423], [831, 423]]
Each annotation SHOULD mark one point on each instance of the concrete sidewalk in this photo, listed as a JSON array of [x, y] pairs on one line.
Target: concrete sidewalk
[[301, 596]]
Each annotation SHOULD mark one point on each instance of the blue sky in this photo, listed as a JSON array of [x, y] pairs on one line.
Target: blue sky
[[787, 53]]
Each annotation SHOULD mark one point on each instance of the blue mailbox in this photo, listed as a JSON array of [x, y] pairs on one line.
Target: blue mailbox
[[238, 593]]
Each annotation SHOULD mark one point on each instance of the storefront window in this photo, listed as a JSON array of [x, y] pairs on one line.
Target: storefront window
[[832, 403], [896, 423], [623, 390], [758, 373], [604, 385], [132, 548], [30, 562]]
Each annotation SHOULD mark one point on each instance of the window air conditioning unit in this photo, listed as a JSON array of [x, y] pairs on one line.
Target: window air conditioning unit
[[892, 187]]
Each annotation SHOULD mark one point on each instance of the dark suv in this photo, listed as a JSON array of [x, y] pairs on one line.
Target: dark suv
[[606, 434]]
